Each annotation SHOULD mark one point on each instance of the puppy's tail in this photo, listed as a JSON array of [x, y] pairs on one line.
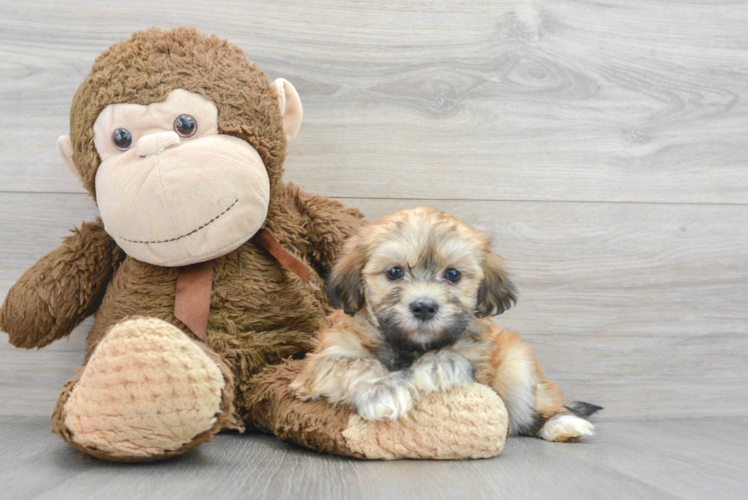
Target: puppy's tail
[[582, 409]]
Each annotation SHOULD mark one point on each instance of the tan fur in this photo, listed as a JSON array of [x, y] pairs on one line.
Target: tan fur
[[348, 365], [341, 365], [508, 354]]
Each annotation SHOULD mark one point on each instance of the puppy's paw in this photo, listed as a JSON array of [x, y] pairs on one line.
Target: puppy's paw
[[387, 400], [442, 370], [302, 389], [565, 428], [304, 393]]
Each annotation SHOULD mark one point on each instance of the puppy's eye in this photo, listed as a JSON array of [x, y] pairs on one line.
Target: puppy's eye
[[395, 274], [185, 125], [122, 139], [452, 275]]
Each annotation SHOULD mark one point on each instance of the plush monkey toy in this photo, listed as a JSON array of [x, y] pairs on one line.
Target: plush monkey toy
[[203, 270]]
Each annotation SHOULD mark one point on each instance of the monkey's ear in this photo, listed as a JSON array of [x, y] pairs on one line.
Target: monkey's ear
[[345, 285], [65, 148], [496, 293], [290, 107]]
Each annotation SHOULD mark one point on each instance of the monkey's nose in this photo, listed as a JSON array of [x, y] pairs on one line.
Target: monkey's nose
[[424, 309], [153, 144]]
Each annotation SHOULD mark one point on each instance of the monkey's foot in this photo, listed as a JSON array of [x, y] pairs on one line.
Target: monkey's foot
[[466, 422], [147, 392]]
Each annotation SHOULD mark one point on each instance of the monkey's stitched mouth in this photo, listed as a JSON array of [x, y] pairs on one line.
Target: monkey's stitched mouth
[[211, 221]]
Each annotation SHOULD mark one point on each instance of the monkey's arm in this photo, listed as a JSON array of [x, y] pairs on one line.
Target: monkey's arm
[[467, 422], [61, 289], [331, 223]]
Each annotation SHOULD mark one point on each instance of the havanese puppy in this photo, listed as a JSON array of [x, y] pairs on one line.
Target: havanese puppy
[[417, 289]]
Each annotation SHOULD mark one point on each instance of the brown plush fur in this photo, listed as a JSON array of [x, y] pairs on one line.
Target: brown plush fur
[[315, 424], [51, 298], [261, 313]]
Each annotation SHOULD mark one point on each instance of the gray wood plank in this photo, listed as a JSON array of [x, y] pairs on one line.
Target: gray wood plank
[[510, 100], [672, 459], [639, 308]]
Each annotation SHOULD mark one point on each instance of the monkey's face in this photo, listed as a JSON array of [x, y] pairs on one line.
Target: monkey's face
[[172, 190], [421, 276]]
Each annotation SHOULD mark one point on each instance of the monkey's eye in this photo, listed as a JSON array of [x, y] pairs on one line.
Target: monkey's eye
[[122, 139], [394, 274], [185, 125], [452, 275]]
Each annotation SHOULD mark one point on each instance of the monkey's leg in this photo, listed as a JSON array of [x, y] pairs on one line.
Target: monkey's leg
[[147, 392], [534, 403], [466, 422]]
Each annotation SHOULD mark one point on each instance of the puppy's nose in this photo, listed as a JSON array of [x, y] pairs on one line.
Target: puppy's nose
[[424, 309], [153, 144]]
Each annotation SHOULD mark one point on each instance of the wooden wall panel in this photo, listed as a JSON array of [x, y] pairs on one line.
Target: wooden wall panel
[[640, 308], [602, 143], [509, 100]]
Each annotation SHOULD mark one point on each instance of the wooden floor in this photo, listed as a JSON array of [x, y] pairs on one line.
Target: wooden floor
[[603, 144], [626, 460]]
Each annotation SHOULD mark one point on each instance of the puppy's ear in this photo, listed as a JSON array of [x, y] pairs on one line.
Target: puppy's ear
[[345, 286], [496, 293]]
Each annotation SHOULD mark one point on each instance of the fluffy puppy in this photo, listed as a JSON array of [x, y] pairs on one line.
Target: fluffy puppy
[[417, 289]]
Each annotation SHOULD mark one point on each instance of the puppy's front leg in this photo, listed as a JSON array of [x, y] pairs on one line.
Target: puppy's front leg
[[389, 398], [441, 370], [374, 392]]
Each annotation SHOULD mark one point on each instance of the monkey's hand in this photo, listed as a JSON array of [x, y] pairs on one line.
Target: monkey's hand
[[466, 422], [331, 224], [441, 370], [61, 289]]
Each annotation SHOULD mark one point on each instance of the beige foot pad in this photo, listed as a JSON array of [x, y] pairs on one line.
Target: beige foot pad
[[146, 391], [466, 422]]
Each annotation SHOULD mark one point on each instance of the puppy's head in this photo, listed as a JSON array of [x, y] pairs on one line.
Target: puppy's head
[[420, 275]]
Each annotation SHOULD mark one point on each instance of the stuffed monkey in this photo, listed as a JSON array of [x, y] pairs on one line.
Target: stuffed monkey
[[204, 270]]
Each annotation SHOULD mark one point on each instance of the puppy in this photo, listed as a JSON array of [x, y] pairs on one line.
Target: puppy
[[416, 289]]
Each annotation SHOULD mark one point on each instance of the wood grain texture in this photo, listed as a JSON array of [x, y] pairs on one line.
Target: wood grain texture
[[663, 460], [473, 99], [639, 308], [602, 143]]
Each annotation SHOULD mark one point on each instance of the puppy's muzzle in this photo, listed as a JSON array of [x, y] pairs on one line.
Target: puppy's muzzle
[[424, 309]]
